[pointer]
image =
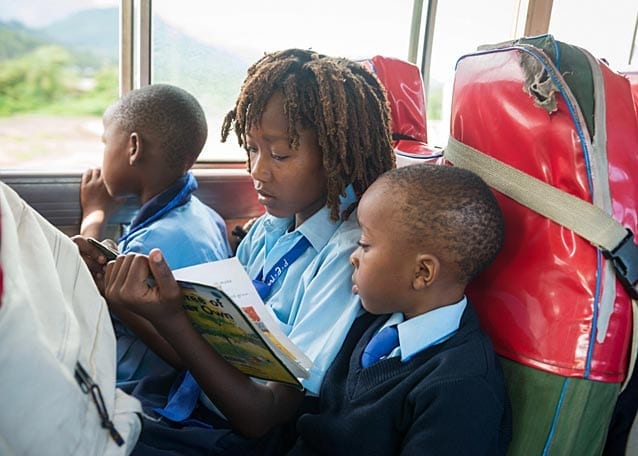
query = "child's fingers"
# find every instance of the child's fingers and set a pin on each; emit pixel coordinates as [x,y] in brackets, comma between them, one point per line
[91,255]
[90,175]
[88,250]
[115,277]
[162,275]
[86,176]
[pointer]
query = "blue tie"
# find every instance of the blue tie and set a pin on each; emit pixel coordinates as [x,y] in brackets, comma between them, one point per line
[380,345]
[182,401]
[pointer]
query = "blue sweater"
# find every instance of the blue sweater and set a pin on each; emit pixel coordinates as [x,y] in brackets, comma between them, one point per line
[449,399]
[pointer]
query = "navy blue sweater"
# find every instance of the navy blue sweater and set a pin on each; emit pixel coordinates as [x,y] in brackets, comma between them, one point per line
[449,399]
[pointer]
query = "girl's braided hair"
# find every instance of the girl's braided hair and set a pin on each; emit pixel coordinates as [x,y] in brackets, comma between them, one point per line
[340,99]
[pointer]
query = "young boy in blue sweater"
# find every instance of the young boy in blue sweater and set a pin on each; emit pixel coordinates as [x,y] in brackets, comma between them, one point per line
[152,137]
[437,388]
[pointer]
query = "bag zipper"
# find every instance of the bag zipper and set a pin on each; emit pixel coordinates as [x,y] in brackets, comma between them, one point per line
[87,385]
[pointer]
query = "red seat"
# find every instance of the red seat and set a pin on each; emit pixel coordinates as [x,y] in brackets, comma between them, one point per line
[404,87]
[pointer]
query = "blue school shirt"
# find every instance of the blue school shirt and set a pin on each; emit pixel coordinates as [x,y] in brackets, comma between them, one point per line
[313,298]
[190,233]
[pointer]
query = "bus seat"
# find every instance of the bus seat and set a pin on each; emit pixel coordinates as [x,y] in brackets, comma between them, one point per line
[406,96]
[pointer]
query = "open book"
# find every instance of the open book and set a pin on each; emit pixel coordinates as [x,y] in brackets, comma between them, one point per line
[226,309]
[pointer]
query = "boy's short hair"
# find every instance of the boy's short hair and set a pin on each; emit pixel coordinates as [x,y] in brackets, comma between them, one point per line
[453,210]
[169,115]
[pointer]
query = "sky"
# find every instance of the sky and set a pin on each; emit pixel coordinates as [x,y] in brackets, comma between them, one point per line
[39,13]
[365,28]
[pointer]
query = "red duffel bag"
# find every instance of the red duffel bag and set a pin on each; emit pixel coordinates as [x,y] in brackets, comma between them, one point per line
[558,297]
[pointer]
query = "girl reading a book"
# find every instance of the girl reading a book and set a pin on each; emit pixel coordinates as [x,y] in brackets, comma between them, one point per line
[317,133]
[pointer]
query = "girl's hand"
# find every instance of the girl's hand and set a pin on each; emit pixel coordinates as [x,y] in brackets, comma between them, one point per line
[94,259]
[128,288]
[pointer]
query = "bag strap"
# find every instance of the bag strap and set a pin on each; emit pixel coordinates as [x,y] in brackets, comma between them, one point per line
[583,218]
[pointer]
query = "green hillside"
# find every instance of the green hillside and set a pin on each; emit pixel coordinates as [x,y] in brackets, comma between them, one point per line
[40,73]
[70,66]
[17,40]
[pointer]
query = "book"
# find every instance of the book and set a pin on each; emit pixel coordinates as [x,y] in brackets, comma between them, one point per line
[226,309]
[224,306]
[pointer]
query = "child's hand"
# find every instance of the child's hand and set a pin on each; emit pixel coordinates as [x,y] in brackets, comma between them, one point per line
[94,259]
[96,202]
[127,287]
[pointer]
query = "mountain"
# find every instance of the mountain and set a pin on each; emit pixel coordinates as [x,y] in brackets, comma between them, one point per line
[91,36]
[213,74]
[17,40]
[96,32]
[91,31]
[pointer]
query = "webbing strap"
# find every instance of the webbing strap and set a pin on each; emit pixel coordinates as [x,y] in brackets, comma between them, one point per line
[583,218]
[578,215]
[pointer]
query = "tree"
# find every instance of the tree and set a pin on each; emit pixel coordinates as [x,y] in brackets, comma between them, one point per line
[34,79]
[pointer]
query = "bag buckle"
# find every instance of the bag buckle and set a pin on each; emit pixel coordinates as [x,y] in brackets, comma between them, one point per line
[625,260]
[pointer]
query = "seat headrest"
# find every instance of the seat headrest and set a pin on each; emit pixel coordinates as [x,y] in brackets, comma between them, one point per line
[404,87]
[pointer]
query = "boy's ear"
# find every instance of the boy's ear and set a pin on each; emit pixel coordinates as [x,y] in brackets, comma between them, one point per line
[135,148]
[427,271]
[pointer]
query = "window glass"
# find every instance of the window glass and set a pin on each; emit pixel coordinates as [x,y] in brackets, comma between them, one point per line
[582,22]
[58,60]
[461,26]
[206,48]
[58,72]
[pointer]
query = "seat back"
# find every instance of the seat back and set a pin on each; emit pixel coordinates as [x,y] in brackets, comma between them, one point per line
[406,96]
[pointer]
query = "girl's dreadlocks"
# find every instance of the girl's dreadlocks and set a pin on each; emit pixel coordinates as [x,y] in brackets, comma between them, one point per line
[340,99]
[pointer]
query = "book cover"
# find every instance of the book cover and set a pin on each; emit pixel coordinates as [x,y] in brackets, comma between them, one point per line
[226,309]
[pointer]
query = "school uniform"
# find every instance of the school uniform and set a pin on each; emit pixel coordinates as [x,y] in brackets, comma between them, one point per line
[313,299]
[313,302]
[187,232]
[447,398]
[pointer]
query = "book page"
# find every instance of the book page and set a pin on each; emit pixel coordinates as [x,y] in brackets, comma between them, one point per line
[230,332]
[230,276]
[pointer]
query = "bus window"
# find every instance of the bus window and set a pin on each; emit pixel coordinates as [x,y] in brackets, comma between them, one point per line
[207,49]
[617,18]
[58,72]
[460,26]
[59,66]
[59,60]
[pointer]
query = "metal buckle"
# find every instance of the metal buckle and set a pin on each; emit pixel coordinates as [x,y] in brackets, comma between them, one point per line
[625,260]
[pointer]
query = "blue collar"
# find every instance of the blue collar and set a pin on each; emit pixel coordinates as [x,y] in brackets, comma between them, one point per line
[318,229]
[315,232]
[426,330]
[177,194]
